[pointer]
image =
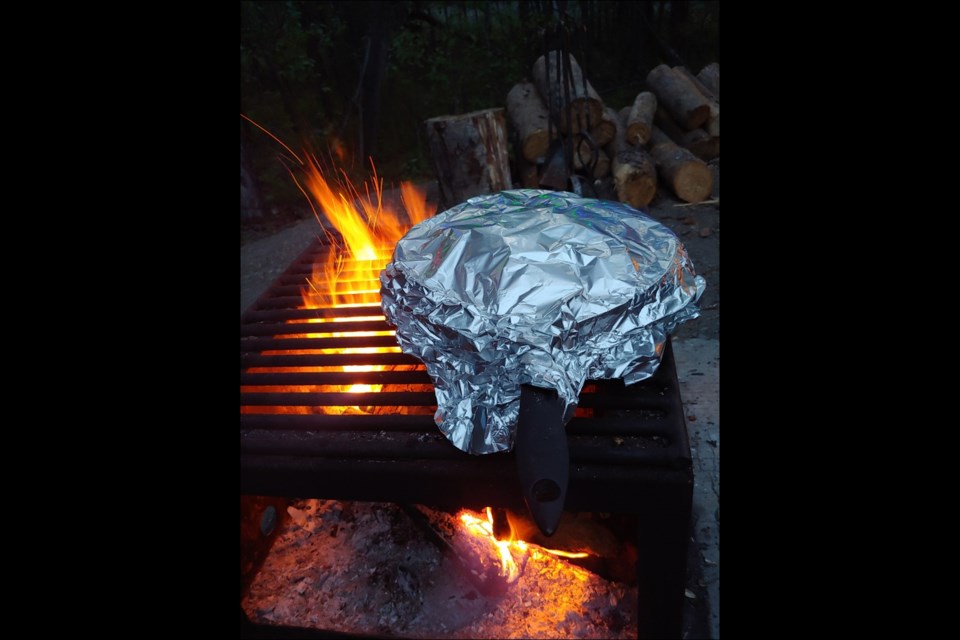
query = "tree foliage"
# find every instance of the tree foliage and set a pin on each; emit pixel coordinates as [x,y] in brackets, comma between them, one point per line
[305,65]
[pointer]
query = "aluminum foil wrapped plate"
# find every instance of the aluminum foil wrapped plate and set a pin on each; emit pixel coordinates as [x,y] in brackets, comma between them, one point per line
[533,287]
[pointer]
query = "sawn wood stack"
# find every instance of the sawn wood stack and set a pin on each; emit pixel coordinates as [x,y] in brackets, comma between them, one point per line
[669,131]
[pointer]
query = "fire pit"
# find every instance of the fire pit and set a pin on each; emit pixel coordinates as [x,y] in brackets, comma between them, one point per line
[330,409]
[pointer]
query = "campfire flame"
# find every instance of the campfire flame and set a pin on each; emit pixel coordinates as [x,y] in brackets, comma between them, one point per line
[369,231]
[351,275]
[362,230]
[508,549]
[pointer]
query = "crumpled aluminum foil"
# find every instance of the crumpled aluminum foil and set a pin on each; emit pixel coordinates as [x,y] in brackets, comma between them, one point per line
[533,287]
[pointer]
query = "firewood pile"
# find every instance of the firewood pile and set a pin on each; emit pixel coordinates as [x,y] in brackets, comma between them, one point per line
[669,132]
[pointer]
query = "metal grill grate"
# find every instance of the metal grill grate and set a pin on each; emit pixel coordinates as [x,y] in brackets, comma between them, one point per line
[628,445]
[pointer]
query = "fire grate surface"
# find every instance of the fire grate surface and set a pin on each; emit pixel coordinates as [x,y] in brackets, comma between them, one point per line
[629,451]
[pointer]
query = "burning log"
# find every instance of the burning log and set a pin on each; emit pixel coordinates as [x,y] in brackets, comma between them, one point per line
[470,536]
[469,154]
[585,104]
[529,117]
[634,173]
[698,141]
[710,77]
[713,121]
[679,96]
[686,175]
[640,119]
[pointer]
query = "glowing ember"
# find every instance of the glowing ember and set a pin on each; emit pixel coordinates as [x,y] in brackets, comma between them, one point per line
[368,569]
[483,528]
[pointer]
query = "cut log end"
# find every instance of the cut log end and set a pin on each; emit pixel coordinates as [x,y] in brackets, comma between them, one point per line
[635,177]
[634,189]
[535,146]
[586,105]
[693,182]
[585,115]
[604,132]
[697,117]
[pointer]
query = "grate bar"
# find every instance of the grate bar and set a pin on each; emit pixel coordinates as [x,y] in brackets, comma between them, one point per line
[249,360]
[273,329]
[336,377]
[381,399]
[248,345]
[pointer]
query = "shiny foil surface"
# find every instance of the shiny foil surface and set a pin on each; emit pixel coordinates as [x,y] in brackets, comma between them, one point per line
[533,287]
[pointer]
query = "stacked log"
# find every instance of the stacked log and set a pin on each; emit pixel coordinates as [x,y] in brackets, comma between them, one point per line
[710,77]
[713,120]
[640,119]
[591,159]
[529,117]
[685,104]
[585,105]
[668,130]
[603,133]
[634,173]
[698,141]
[687,176]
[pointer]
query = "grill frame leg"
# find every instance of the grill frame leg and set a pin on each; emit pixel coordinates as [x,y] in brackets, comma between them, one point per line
[663,532]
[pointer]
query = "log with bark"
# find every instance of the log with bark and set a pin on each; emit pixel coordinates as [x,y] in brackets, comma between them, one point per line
[710,77]
[698,141]
[713,120]
[634,173]
[586,106]
[686,175]
[469,154]
[679,97]
[640,119]
[529,117]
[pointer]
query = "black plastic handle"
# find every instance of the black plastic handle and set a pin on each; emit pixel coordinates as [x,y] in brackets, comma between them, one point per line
[543,460]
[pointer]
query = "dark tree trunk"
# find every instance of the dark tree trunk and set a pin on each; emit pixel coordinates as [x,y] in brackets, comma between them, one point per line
[373,78]
[251,204]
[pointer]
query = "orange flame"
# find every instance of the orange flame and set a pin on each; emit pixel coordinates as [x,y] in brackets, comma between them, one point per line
[362,231]
[483,528]
[369,231]
[351,275]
